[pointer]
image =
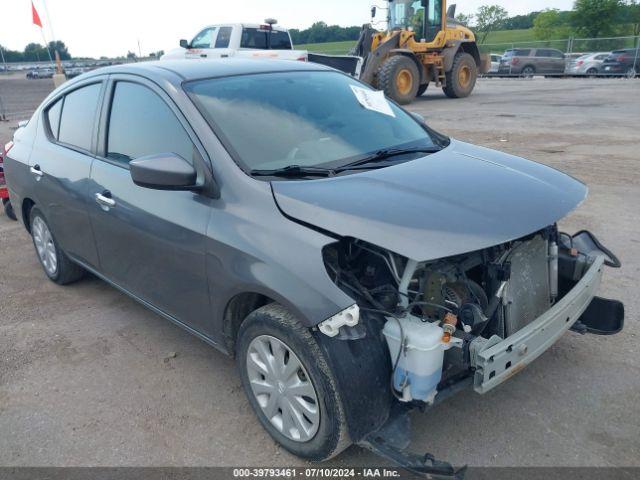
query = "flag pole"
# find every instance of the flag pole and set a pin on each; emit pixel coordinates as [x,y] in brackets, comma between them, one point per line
[46,45]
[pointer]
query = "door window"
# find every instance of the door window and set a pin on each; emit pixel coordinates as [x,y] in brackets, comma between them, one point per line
[203,39]
[78,115]
[141,123]
[224,35]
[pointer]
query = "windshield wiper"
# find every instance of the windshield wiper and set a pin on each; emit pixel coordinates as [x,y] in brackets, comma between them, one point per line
[293,171]
[384,155]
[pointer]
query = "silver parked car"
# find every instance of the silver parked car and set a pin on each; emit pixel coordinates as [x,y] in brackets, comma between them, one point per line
[587,64]
[355,262]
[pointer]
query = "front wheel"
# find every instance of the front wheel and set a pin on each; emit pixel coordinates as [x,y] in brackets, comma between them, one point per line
[58,267]
[290,385]
[399,78]
[461,79]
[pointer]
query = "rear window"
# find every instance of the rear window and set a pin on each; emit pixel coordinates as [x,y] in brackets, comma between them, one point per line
[78,115]
[520,52]
[265,39]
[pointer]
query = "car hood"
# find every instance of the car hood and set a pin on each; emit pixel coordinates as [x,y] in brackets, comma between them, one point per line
[461,199]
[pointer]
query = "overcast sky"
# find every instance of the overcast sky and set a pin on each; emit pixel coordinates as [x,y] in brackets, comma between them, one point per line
[112,27]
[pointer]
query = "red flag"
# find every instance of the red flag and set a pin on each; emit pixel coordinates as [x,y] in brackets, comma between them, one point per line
[36,17]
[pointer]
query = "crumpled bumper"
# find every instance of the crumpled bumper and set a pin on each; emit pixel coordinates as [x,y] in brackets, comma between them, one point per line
[498,360]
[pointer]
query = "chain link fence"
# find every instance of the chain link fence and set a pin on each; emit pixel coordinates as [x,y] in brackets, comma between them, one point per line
[611,56]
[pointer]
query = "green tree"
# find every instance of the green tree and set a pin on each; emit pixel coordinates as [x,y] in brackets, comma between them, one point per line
[632,14]
[61,48]
[489,18]
[550,24]
[595,18]
[464,19]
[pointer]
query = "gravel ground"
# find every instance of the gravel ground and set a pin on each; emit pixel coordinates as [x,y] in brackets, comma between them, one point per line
[87,376]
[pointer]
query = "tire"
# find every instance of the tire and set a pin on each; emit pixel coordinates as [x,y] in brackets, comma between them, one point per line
[529,71]
[421,89]
[274,326]
[8,209]
[55,263]
[462,77]
[399,78]
[592,72]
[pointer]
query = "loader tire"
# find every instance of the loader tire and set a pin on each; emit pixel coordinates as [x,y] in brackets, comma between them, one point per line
[399,79]
[462,77]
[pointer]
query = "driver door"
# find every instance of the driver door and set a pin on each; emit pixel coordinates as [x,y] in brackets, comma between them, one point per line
[150,242]
[433,23]
[202,44]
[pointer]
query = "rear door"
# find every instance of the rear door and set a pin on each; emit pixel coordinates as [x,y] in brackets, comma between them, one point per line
[150,242]
[60,166]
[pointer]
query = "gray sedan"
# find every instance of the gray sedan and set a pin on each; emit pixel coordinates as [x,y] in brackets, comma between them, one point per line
[354,261]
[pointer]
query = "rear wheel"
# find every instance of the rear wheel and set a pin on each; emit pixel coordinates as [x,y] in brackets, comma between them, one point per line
[8,209]
[289,384]
[58,267]
[592,72]
[528,71]
[399,78]
[462,77]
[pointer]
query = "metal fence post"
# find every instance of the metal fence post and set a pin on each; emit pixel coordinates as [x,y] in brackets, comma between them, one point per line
[636,41]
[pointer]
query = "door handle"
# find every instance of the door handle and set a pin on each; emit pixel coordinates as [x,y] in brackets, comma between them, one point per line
[104,199]
[203,55]
[36,171]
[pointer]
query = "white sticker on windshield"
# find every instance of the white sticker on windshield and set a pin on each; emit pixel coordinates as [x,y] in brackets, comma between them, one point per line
[373,100]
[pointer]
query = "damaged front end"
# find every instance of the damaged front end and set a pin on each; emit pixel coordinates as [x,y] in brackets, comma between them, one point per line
[423,330]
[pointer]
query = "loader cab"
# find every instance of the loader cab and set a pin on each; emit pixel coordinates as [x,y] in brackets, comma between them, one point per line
[424,17]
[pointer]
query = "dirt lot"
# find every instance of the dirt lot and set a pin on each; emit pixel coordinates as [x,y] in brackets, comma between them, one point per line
[87,378]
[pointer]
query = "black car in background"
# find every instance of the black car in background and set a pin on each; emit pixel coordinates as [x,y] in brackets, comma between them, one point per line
[622,62]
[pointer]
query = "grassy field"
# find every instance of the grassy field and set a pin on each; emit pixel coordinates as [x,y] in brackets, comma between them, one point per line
[501,37]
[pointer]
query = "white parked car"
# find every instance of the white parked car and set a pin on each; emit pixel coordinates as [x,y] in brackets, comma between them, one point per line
[239,40]
[588,64]
[495,63]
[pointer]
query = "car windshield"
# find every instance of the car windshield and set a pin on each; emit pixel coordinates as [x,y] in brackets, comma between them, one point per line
[307,119]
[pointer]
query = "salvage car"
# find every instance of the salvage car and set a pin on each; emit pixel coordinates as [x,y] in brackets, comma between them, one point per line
[354,261]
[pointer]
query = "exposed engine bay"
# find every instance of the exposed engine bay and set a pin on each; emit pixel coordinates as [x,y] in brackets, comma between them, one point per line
[436,315]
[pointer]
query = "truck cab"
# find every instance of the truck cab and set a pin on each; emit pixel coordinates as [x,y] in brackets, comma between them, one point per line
[238,40]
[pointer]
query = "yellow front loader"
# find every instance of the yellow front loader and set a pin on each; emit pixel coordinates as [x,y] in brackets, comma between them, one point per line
[423,44]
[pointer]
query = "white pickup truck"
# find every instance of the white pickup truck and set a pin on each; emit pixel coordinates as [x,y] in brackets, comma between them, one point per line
[239,40]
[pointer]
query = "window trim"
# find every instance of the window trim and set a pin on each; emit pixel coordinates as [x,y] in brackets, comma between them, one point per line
[62,96]
[202,162]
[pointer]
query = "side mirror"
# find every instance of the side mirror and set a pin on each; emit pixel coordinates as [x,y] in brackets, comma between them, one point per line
[418,118]
[374,9]
[164,171]
[184,43]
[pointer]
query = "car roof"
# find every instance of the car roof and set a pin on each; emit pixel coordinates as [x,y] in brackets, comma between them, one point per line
[191,69]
